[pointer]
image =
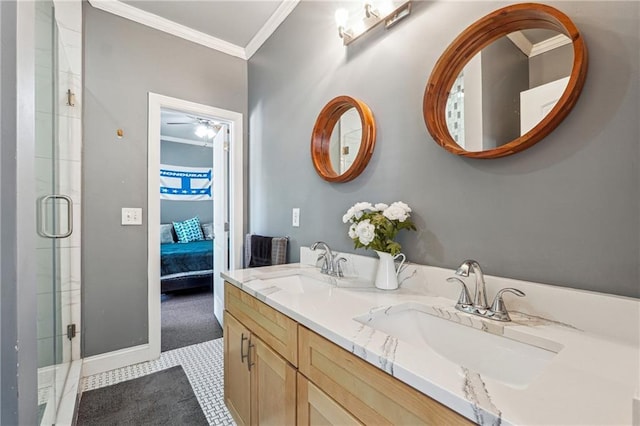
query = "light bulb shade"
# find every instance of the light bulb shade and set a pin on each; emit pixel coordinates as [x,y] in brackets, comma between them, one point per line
[211,133]
[341,16]
[201,131]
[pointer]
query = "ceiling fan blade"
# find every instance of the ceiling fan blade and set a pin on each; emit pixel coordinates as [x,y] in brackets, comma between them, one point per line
[193,124]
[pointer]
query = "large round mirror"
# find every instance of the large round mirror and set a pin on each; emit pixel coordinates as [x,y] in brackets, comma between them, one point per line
[506,82]
[343,139]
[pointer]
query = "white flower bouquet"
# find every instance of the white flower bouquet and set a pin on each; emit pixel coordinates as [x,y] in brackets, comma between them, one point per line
[376,226]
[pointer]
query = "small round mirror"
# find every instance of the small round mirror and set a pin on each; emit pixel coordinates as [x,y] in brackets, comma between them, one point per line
[343,139]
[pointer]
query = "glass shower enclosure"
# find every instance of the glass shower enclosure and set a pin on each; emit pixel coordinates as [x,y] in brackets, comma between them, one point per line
[54,218]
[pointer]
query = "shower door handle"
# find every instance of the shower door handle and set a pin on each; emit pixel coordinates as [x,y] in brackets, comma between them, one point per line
[42,226]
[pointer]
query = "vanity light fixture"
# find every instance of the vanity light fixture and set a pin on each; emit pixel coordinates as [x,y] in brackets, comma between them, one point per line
[373,16]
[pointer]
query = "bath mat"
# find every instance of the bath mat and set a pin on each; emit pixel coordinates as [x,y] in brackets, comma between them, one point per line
[162,398]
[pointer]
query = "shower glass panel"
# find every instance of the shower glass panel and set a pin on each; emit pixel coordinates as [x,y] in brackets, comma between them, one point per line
[54,219]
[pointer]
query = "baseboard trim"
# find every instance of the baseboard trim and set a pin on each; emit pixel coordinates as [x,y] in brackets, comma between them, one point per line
[116,359]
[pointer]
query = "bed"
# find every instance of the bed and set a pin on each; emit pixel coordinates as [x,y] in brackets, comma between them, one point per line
[186,265]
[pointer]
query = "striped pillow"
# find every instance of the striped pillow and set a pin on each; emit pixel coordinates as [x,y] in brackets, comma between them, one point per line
[188,230]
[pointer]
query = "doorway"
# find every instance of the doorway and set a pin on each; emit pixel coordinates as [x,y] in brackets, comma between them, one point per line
[186,198]
[227,190]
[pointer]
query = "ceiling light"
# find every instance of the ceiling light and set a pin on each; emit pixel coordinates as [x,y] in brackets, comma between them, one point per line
[372,18]
[201,131]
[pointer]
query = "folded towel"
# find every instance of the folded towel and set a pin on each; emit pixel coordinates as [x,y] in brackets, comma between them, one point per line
[279,250]
[260,251]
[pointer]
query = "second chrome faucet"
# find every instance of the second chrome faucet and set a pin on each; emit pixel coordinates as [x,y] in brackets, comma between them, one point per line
[331,264]
[479,305]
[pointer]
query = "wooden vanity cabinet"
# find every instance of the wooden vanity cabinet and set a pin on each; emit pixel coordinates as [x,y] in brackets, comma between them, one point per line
[259,383]
[262,348]
[370,395]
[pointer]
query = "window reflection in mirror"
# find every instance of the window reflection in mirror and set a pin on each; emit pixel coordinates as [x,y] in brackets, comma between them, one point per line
[345,140]
[508,88]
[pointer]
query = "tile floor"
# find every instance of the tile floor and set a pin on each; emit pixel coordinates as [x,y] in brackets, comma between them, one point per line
[203,364]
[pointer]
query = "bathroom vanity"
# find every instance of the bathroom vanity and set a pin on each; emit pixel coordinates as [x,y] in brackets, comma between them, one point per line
[305,348]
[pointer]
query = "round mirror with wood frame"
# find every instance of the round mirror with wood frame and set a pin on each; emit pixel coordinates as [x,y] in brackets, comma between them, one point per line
[321,139]
[485,31]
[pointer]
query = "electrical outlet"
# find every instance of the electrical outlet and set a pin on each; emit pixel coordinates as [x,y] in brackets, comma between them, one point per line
[131,216]
[295,217]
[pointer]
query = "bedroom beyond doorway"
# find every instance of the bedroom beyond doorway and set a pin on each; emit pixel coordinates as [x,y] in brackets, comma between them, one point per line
[216,186]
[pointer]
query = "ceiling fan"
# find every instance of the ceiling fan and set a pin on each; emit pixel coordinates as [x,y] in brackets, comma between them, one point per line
[204,126]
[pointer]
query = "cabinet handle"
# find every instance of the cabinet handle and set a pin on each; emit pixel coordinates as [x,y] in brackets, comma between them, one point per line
[242,355]
[249,363]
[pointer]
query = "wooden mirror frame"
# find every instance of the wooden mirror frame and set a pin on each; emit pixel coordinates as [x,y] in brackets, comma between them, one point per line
[471,41]
[321,138]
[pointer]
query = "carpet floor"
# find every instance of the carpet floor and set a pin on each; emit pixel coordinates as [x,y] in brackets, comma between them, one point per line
[187,319]
[161,398]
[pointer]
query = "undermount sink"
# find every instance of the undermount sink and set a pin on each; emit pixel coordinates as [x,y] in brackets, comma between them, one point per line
[509,361]
[298,283]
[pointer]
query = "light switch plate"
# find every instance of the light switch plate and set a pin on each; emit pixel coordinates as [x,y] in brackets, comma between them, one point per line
[295,217]
[131,216]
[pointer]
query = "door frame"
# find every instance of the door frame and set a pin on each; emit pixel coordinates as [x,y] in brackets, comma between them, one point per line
[236,202]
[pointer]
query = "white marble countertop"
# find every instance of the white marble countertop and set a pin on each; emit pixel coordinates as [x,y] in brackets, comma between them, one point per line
[592,380]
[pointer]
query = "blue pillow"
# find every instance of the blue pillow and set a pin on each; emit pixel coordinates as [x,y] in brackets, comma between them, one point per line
[188,230]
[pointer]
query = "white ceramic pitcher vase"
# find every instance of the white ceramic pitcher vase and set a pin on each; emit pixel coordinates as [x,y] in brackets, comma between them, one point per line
[387,275]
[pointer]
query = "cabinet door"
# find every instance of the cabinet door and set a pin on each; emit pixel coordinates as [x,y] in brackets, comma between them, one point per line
[316,408]
[273,387]
[237,378]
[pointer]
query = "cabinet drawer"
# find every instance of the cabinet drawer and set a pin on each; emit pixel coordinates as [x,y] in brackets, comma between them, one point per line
[370,394]
[272,327]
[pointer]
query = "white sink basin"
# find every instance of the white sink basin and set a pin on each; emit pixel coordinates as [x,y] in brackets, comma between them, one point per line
[298,284]
[306,282]
[509,361]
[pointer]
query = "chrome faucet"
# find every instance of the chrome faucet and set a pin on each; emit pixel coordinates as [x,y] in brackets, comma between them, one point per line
[479,306]
[331,263]
[480,295]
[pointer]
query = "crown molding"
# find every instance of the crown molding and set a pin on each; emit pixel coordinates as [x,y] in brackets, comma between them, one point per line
[162,24]
[530,49]
[550,44]
[280,14]
[521,42]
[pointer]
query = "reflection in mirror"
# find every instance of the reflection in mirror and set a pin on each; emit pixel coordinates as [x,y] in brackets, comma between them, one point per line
[506,89]
[345,140]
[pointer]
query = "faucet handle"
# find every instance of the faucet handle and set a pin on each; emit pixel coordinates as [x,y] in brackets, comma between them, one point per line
[325,263]
[498,308]
[464,298]
[339,262]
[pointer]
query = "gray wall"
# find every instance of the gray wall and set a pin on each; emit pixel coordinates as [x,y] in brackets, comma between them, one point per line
[550,66]
[505,73]
[180,154]
[8,284]
[564,212]
[123,61]
[18,349]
